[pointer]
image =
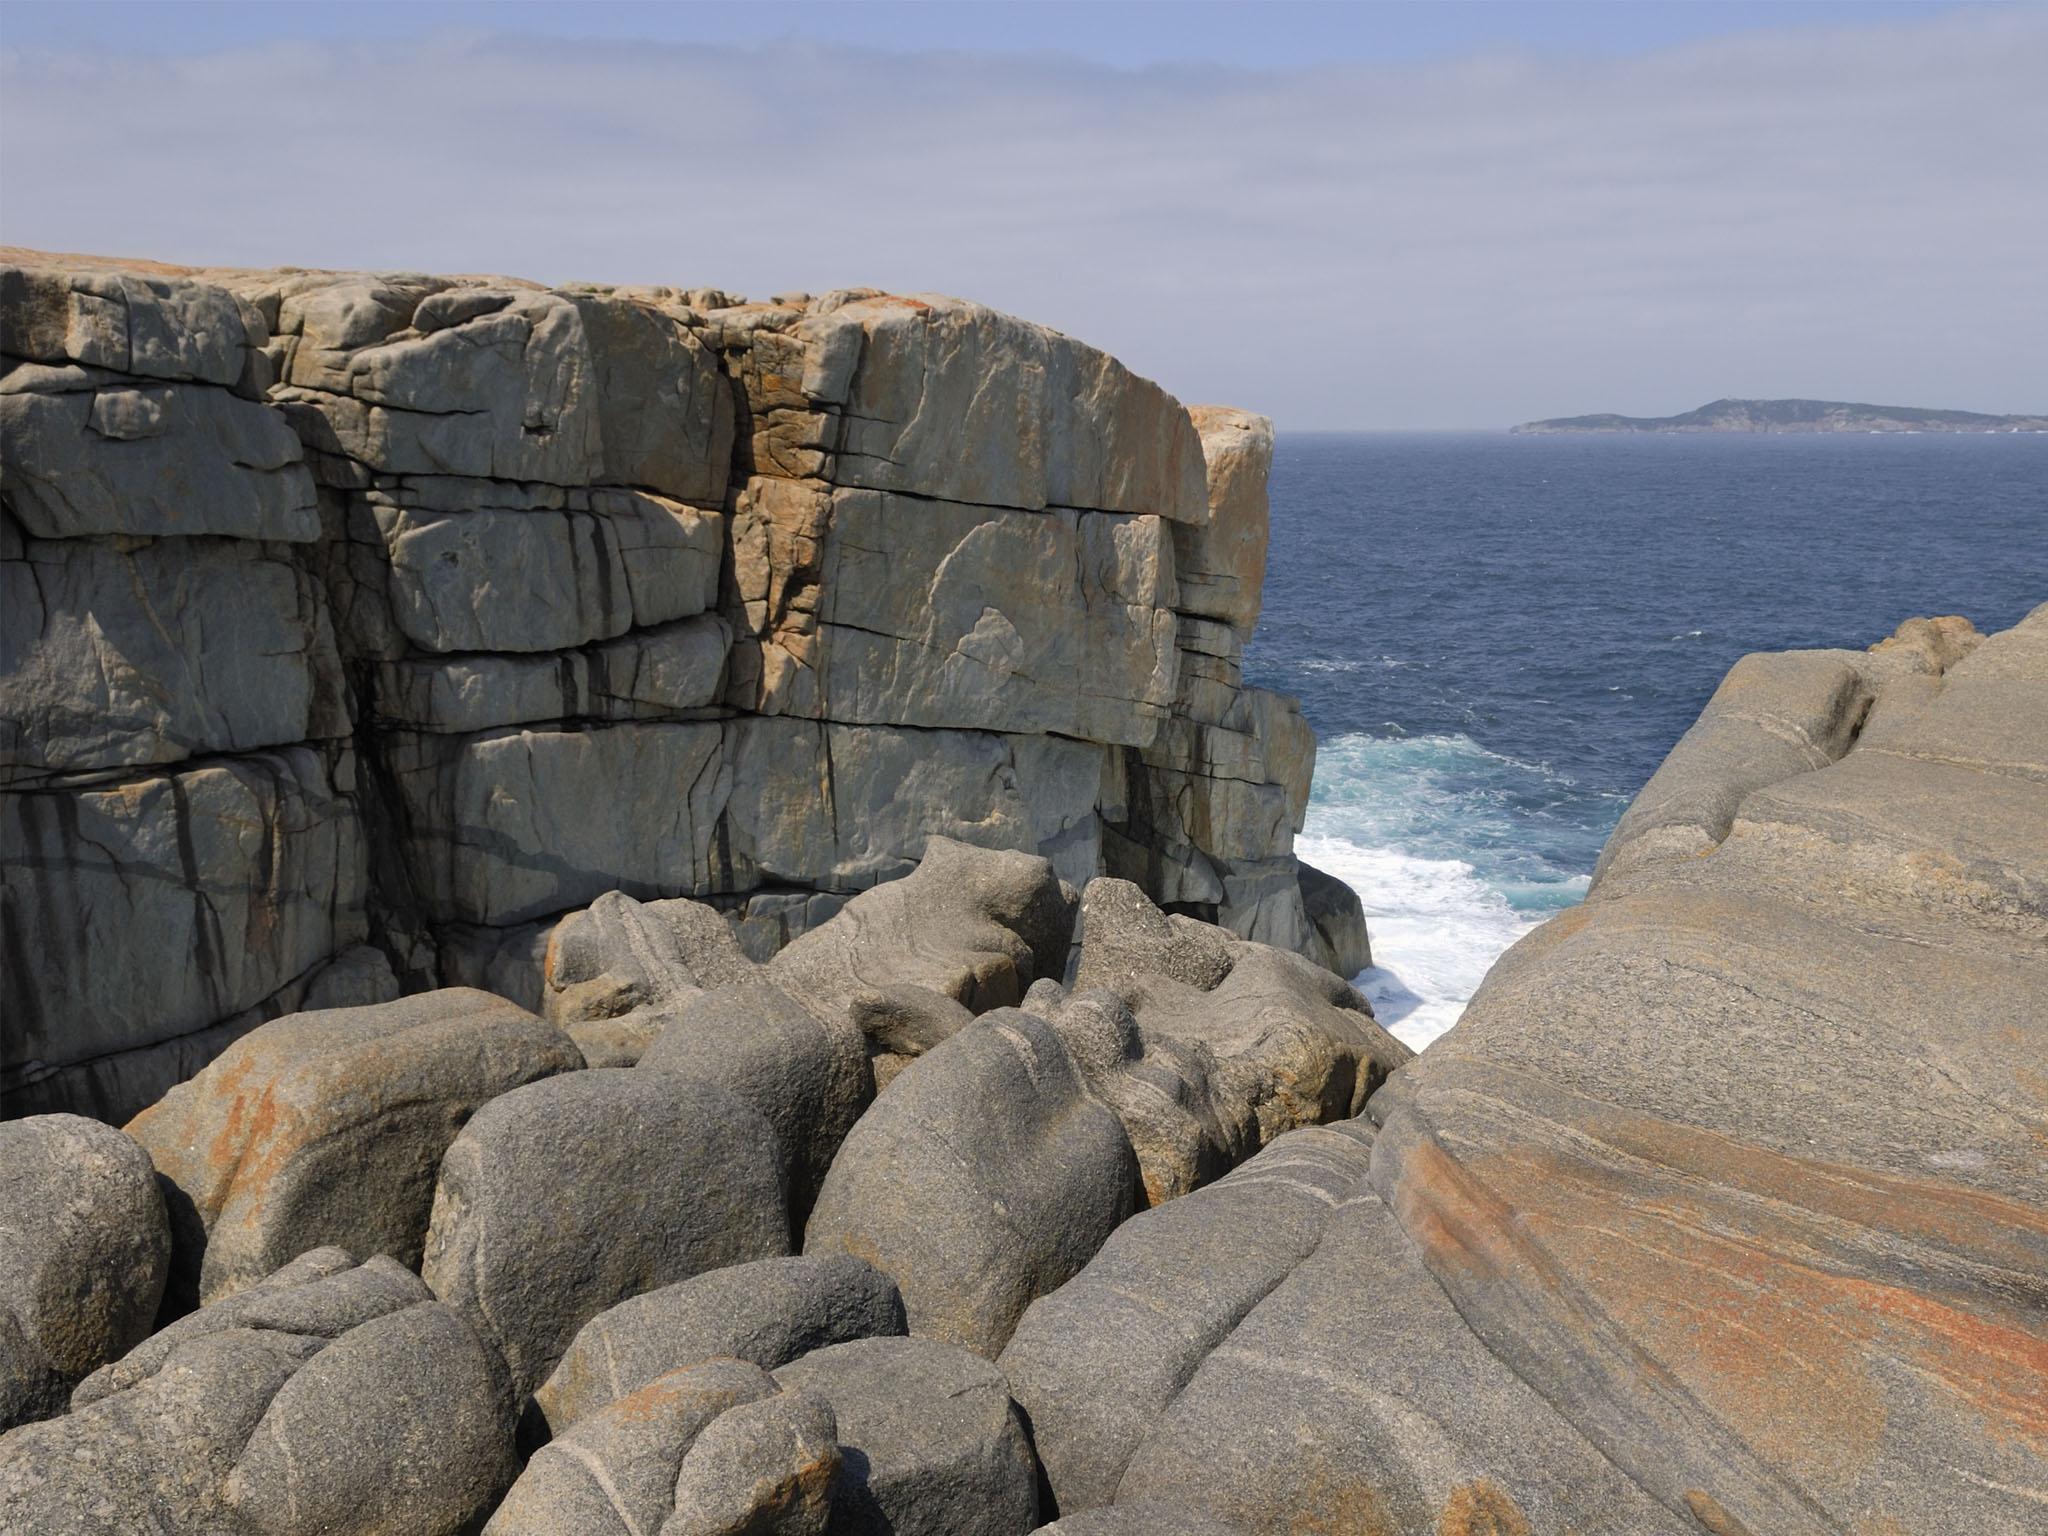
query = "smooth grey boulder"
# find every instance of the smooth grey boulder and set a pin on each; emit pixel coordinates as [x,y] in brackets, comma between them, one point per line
[329,1128]
[765,1468]
[84,1251]
[1176,1100]
[401,1425]
[931,1444]
[808,1076]
[321,1294]
[1095,1363]
[333,1398]
[768,1312]
[986,1175]
[615,1472]
[155,1458]
[564,1197]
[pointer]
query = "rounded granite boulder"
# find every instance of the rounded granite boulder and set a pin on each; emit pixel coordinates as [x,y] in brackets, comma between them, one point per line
[84,1249]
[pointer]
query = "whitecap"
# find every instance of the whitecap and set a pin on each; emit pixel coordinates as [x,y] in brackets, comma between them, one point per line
[1436,929]
[1434,833]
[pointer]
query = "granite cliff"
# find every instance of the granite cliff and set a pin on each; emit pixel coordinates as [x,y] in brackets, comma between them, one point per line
[356,627]
[984,1191]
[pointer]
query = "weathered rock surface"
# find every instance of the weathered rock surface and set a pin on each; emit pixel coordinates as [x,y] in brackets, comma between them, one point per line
[968,925]
[1332,910]
[84,1250]
[328,1128]
[564,1197]
[1720,1210]
[768,1466]
[809,1076]
[129,655]
[246,874]
[930,1442]
[1858,941]
[768,1312]
[614,1473]
[344,608]
[619,956]
[985,1176]
[1293,1044]
[1166,1519]
[1095,1363]
[330,1398]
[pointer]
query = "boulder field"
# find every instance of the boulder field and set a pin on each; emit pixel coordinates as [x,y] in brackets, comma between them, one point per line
[355,628]
[985,1179]
[1720,1212]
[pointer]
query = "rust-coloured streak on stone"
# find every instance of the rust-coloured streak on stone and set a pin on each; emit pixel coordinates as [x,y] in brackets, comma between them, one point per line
[1481,1508]
[1765,1326]
[1985,1225]
[1712,1517]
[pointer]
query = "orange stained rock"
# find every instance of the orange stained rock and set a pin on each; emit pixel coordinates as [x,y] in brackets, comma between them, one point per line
[1481,1508]
[1766,1317]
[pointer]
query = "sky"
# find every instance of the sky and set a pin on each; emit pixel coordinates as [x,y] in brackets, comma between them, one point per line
[1365,216]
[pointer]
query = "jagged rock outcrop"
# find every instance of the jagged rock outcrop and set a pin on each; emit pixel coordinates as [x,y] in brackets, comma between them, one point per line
[357,627]
[1722,1208]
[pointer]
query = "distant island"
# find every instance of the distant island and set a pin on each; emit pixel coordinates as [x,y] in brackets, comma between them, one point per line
[1794,416]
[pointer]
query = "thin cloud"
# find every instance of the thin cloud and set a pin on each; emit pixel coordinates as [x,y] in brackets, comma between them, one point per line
[1854,213]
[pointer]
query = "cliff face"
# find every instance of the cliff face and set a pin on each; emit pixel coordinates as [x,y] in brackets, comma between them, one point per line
[356,627]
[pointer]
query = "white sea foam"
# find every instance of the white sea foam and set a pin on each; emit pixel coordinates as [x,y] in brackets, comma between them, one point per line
[1436,928]
[1389,817]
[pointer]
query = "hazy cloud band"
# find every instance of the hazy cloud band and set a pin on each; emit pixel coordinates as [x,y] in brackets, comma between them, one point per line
[1856,213]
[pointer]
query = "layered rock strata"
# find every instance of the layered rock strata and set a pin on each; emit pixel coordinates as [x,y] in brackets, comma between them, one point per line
[356,627]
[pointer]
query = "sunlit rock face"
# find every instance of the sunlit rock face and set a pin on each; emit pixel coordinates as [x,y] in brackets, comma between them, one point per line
[355,627]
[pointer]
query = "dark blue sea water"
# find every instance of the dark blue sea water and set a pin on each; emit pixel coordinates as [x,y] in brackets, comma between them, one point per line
[1498,638]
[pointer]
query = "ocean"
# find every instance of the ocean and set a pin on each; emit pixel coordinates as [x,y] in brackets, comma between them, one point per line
[1498,638]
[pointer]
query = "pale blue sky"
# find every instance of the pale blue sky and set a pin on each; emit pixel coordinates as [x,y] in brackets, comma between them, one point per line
[1369,216]
[1287,34]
